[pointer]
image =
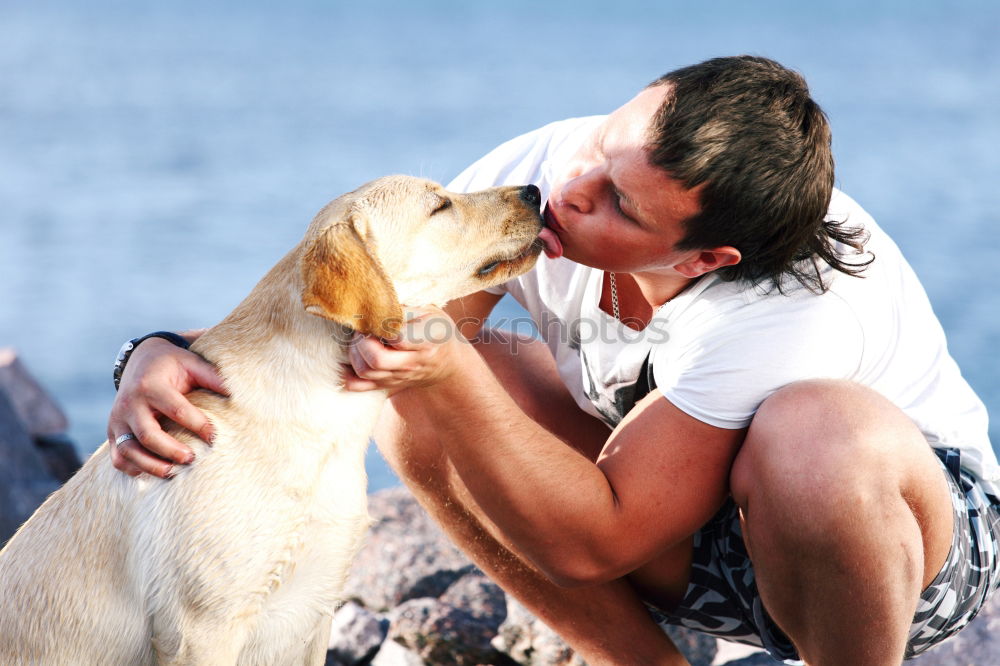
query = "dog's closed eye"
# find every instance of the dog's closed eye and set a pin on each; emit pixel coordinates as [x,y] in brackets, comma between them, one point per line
[488,268]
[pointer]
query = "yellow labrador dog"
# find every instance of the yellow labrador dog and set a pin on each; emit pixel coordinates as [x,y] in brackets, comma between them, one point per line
[240,558]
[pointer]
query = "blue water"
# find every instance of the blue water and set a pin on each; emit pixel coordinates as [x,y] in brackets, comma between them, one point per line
[157,158]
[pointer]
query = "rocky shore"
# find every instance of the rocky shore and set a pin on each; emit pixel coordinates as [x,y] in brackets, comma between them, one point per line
[415,599]
[412,598]
[36,457]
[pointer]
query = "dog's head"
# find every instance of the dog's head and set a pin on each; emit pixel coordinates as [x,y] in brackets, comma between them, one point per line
[403,240]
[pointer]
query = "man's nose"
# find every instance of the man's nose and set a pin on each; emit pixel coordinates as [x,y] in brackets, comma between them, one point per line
[578,190]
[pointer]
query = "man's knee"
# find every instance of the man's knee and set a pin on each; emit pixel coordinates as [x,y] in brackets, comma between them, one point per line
[823,458]
[820,440]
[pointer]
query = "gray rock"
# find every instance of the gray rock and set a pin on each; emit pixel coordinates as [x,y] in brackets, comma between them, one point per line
[531,642]
[60,456]
[446,610]
[477,595]
[32,431]
[394,654]
[406,556]
[977,644]
[25,480]
[34,407]
[444,635]
[355,635]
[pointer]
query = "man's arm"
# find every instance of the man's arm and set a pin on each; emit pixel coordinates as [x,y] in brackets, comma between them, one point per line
[471,311]
[159,375]
[661,475]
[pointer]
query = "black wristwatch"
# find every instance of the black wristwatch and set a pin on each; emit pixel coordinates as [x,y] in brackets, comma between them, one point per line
[129,347]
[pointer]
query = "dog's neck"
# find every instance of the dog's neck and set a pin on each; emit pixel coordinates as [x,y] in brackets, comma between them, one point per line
[276,358]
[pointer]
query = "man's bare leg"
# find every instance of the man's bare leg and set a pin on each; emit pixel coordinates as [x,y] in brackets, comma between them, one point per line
[606,624]
[847,517]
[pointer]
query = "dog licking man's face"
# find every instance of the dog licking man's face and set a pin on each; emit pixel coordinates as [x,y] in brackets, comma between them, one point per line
[404,240]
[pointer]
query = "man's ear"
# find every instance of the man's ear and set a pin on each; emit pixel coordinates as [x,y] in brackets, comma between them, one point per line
[706,261]
[345,283]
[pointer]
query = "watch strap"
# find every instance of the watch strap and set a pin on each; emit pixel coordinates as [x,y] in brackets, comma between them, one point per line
[126,351]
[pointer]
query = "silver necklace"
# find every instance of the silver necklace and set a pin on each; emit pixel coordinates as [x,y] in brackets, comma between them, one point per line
[614,296]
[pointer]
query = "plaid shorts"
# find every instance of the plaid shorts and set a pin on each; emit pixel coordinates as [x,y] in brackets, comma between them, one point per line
[722,599]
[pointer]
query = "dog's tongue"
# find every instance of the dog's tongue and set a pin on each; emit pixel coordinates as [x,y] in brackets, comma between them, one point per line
[553,246]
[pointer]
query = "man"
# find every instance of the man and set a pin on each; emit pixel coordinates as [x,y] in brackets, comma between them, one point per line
[742,416]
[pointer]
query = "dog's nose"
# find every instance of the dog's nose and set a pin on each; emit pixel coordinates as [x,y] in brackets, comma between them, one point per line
[531,195]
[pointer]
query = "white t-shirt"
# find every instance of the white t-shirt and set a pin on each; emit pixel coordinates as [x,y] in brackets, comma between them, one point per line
[718,349]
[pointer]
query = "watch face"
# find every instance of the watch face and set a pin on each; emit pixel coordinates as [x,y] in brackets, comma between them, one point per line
[126,348]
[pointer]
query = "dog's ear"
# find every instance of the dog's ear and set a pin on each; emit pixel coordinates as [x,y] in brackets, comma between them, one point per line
[345,283]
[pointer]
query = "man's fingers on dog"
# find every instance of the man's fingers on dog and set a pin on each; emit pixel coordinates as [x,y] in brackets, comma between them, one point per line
[372,380]
[138,460]
[152,439]
[206,375]
[370,353]
[131,469]
[355,383]
[121,463]
[425,327]
[176,407]
[352,382]
[118,459]
[407,342]
[357,361]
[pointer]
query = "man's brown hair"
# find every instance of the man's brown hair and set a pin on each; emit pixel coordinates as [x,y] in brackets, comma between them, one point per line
[746,130]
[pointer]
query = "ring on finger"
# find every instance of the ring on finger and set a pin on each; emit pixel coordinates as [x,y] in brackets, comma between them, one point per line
[121,439]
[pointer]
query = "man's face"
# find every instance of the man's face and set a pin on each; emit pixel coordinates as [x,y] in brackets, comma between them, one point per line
[611,208]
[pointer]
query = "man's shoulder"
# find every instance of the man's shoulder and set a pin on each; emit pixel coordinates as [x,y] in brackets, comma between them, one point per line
[521,159]
[556,132]
[847,211]
[844,209]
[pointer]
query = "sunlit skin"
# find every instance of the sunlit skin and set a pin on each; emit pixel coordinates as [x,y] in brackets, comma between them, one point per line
[573,520]
[662,473]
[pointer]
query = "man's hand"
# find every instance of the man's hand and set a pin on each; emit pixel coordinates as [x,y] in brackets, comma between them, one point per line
[156,379]
[427,351]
